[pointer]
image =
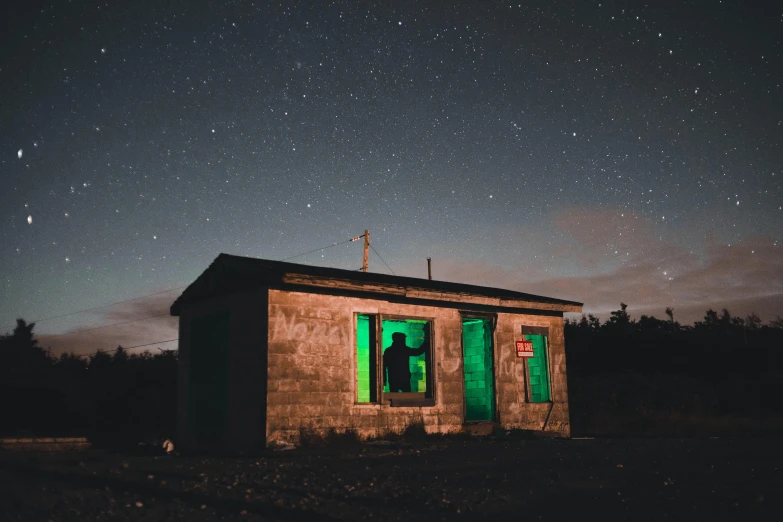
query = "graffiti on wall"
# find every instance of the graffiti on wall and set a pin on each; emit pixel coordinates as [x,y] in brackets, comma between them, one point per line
[452,364]
[558,426]
[506,368]
[292,327]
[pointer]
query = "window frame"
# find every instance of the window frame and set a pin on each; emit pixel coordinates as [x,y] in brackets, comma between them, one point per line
[355,358]
[544,331]
[395,399]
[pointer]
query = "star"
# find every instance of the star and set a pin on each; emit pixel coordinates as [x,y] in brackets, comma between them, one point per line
[397,131]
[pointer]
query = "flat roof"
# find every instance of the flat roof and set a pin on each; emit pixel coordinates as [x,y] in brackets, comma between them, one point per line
[228,274]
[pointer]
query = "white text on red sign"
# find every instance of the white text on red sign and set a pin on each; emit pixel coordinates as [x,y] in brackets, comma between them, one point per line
[524,348]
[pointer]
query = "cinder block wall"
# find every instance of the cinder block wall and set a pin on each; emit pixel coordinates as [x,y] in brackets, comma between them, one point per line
[514,408]
[247,368]
[312,373]
[312,368]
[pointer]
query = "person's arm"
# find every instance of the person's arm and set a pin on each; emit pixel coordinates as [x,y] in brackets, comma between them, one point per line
[424,345]
[413,352]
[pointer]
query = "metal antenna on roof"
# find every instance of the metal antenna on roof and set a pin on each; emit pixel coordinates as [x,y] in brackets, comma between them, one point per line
[429,268]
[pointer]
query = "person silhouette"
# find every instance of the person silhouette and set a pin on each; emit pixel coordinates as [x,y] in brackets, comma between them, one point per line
[396,362]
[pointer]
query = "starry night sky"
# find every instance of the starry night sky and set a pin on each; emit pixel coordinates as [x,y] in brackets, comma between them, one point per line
[594,151]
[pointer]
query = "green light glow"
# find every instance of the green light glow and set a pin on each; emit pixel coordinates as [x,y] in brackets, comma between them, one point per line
[363,358]
[538,369]
[414,333]
[479,386]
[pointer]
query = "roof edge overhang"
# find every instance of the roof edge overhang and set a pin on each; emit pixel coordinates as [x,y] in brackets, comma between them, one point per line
[427,294]
[229,274]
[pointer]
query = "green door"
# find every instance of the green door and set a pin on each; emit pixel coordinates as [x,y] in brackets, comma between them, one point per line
[477,364]
[207,412]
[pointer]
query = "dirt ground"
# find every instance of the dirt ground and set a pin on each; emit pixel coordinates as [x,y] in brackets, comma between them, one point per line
[499,478]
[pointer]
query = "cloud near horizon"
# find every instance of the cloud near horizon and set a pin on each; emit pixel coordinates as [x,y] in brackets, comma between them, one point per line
[146,321]
[622,258]
[600,258]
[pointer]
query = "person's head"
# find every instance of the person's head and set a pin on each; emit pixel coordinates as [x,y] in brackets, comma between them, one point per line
[398,338]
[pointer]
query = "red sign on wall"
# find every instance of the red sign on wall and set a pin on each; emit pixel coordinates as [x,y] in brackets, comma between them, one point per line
[524,348]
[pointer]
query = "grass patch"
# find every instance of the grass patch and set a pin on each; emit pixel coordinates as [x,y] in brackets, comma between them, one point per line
[414,432]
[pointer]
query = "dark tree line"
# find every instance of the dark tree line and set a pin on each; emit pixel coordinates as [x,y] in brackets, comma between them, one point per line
[723,365]
[113,398]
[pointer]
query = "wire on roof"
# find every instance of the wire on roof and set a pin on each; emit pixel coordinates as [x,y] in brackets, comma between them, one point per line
[170,290]
[319,249]
[384,262]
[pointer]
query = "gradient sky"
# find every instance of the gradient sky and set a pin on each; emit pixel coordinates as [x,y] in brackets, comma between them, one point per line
[594,151]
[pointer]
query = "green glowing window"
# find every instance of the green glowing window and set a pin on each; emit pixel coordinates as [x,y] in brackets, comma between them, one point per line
[401,360]
[406,353]
[366,356]
[538,367]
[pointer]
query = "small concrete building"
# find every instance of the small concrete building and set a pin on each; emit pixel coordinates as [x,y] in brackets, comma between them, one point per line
[270,350]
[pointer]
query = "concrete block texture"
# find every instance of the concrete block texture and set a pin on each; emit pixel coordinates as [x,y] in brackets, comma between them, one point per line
[294,367]
[312,369]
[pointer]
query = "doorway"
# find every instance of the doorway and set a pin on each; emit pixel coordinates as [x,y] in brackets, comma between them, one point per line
[478,369]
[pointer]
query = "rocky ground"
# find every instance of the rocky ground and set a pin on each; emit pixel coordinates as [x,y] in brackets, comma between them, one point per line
[499,478]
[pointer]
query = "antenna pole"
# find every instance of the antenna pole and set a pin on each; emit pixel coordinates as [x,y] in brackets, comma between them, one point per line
[429,268]
[366,250]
